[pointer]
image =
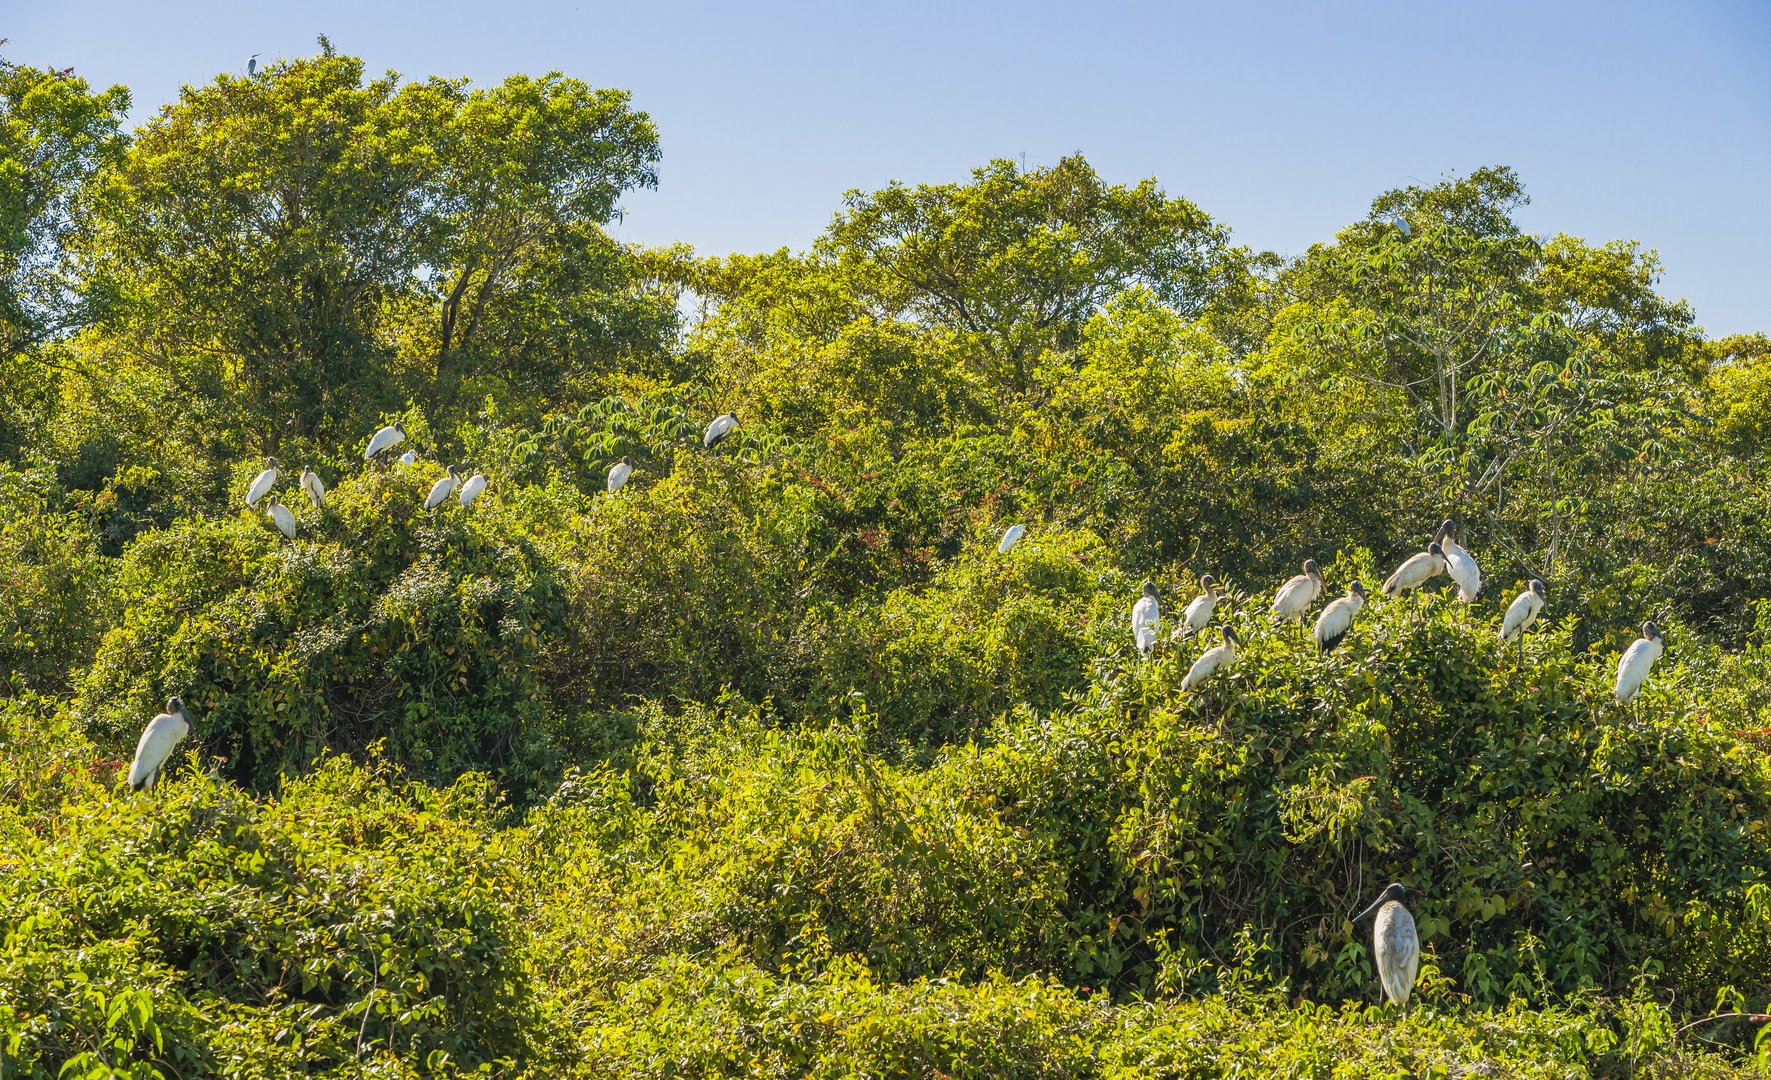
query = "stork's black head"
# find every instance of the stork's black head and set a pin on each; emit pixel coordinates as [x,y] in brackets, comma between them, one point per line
[1206,581]
[1231,636]
[270,462]
[1312,569]
[1356,589]
[625,460]
[1536,586]
[1150,589]
[1651,631]
[1434,549]
[175,704]
[1395,892]
[1446,528]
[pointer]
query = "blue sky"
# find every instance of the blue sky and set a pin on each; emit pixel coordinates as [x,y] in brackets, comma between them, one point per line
[1626,120]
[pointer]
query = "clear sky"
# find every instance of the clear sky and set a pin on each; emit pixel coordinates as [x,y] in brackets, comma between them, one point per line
[1627,120]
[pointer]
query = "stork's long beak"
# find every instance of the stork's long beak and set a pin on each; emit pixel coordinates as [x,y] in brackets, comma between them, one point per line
[1368,912]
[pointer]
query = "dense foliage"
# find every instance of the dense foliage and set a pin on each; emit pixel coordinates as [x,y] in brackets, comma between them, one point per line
[770,763]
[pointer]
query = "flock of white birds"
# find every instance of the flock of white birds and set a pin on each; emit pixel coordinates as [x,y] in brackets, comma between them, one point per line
[1396,943]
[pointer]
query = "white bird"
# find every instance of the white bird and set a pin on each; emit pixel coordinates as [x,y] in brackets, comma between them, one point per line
[1401,224]
[1522,612]
[1296,595]
[1637,660]
[157,740]
[316,490]
[1011,538]
[619,473]
[1198,613]
[1416,570]
[1214,661]
[1460,565]
[408,457]
[1395,943]
[721,427]
[1146,619]
[1337,618]
[262,483]
[252,64]
[473,489]
[280,514]
[440,490]
[385,439]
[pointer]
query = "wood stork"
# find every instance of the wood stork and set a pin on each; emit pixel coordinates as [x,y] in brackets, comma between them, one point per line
[315,489]
[1146,619]
[1010,539]
[439,491]
[1637,660]
[619,473]
[408,457]
[1394,942]
[1214,661]
[1521,613]
[1337,618]
[262,483]
[1460,565]
[1198,614]
[721,427]
[1295,596]
[157,740]
[385,439]
[473,489]
[1416,570]
[280,514]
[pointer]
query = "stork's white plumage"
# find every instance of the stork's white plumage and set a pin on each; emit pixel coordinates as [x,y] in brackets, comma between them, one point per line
[408,457]
[1146,619]
[1337,618]
[1010,539]
[721,427]
[473,489]
[1416,570]
[1214,661]
[619,473]
[440,491]
[385,439]
[157,740]
[1460,565]
[1395,943]
[280,514]
[262,483]
[1637,660]
[1522,612]
[1198,614]
[1295,596]
[316,491]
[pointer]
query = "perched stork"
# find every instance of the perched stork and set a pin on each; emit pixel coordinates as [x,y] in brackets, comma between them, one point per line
[385,439]
[280,514]
[252,64]
[721,427]
[619,473]
[1337,618]
[1198,614]
[1146,619]
[1416,570]
[408,457]
[262,483]
[1521,613]
[315,489]
[473,489]
[1460,565]
[1394,942]
[1637,660]
[1010,538]
[1214,661]
[440,491]
[1295,596]
[157,740]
